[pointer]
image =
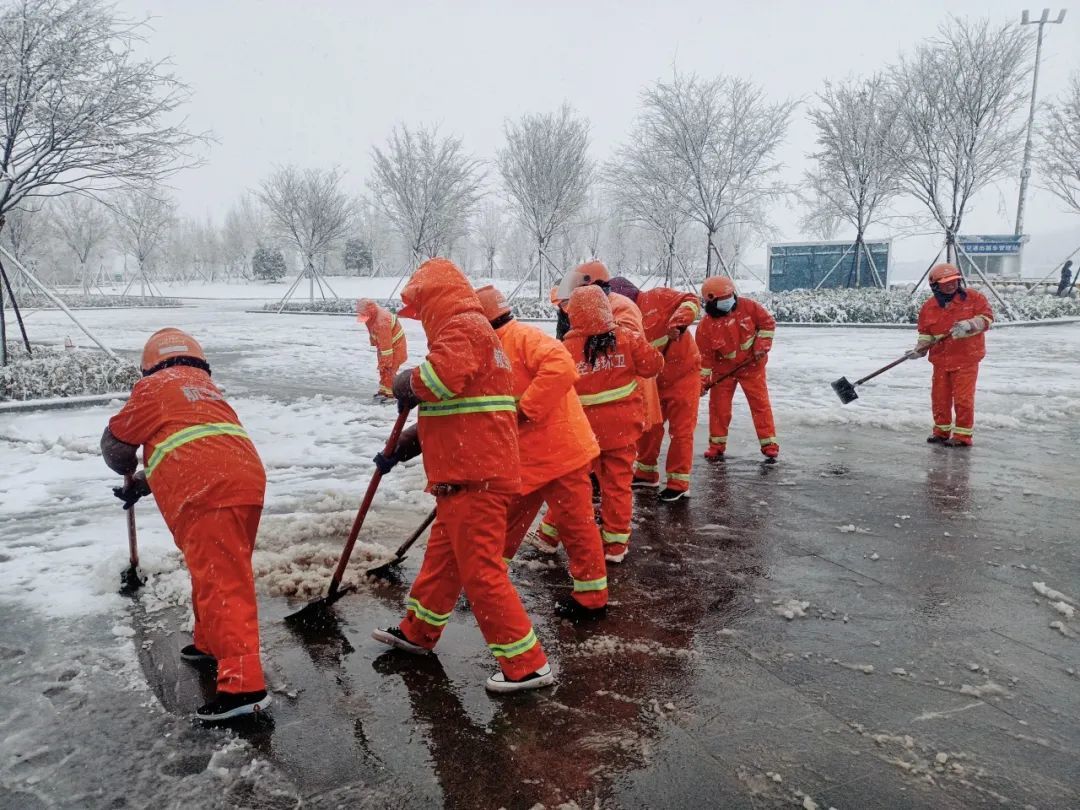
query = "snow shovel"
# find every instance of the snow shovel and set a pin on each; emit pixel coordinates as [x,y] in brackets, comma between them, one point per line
[384,571]
[132,578]
[742,365]
[846,390]
[315,612]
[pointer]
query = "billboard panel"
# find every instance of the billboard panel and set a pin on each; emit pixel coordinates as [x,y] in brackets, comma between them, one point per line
[808,265]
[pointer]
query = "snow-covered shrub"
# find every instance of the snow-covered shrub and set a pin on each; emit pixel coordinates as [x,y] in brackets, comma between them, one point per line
[33,300]
[53,372]
[268,264]
[329,305]
[893,306]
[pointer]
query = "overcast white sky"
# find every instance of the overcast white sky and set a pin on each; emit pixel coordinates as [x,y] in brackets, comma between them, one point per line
[317,83]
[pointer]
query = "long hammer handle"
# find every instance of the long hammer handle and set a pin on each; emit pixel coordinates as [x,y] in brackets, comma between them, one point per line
[133,541]
[369,496]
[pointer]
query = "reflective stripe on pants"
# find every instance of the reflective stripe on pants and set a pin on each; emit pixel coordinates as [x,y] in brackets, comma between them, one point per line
[951,391]
[615,469]
[679,406]
[570,512]
[756,389]
[465,550]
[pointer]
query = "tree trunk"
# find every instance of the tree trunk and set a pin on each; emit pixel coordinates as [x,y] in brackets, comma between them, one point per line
[708,254]
[3,330]
[5,281]
[540,271]
[858,260]
[951,255]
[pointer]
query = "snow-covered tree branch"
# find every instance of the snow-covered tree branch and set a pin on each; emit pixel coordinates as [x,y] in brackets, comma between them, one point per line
[956,129]
[1059,150]
[724,134]
[546,173]
[427,186]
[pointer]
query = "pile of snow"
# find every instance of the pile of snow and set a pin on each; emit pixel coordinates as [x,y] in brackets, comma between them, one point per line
[62,373]
[344,306]
[33,300]
[891,306]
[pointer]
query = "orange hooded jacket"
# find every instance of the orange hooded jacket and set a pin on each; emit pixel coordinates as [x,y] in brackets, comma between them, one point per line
[468,419]
[628,316]
[729,341]
[936,321]
[664,309]
[386,335]
[610,391]
[554,435]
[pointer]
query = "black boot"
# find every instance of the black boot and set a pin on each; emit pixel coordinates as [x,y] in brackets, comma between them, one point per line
[230,705]
[571,609]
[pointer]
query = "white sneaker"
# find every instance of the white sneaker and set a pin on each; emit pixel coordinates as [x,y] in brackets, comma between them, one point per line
[536,680]
[616,558]
[393,637]
[540,544]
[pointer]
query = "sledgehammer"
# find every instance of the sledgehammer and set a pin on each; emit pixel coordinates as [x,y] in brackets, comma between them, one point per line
[846,390]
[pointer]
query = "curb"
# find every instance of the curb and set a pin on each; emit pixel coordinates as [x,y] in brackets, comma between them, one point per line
[59,403]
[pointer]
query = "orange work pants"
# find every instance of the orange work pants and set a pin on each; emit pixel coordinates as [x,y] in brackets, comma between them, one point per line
[954,389]
[217,547]
[569,500]
[615,469]
[387,372]
[465,550]
[756,390]
[679,406]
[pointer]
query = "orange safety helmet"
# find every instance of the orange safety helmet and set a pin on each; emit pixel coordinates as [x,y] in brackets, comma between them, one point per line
[493,301]
[590,311]
[717,288]
[170,344]
[588,273]
[366,309]
[943,273]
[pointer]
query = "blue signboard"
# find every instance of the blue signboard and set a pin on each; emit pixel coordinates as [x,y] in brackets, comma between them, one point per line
[991,245]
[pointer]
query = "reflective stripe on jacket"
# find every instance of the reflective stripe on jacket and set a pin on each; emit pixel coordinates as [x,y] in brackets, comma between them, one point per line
[728,341]
[663,309]
[936,321]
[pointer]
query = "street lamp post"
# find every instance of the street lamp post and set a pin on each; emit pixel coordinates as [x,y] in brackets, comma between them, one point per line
[1025,172]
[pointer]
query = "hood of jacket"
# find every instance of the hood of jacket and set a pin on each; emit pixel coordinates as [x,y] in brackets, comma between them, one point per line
[590,312]
[437,292]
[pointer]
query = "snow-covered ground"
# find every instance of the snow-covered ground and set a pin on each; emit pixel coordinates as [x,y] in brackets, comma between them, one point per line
[302,386]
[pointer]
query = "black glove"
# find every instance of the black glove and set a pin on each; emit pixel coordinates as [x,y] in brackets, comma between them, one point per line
[130,493]
[403,390]
[385,464]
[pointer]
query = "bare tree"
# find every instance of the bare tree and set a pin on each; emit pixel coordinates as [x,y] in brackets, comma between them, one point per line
[244,231]
[956,129]
[490,230]
[83,226]
[24,232]
[1059,150]
[856,173]
[546,172]
[143,221]
[650,188]
[80,111]
[427,186]
[308,208]
[724,134]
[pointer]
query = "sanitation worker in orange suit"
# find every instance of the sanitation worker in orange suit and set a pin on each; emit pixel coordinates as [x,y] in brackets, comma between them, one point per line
[962,316]
[467,429]
[557,452]
[388,338]
[667,315]
[208,482]
[734,338]
[611,360]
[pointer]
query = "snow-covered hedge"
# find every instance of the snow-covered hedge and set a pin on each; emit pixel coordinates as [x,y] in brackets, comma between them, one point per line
[62,373]
[345,306]
[29,300]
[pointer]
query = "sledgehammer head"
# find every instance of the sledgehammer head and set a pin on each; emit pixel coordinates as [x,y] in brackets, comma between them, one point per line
[845,390]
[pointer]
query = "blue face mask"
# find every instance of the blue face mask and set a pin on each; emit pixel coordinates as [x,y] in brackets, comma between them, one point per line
[725,304]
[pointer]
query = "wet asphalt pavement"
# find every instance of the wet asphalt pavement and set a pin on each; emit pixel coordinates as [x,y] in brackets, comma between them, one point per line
[924,672]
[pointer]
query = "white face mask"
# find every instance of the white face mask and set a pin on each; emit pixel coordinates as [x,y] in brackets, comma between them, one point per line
[725,304]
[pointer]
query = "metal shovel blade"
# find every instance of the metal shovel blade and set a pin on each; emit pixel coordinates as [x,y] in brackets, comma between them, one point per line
[317,612]
[845,390]
[131,580]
